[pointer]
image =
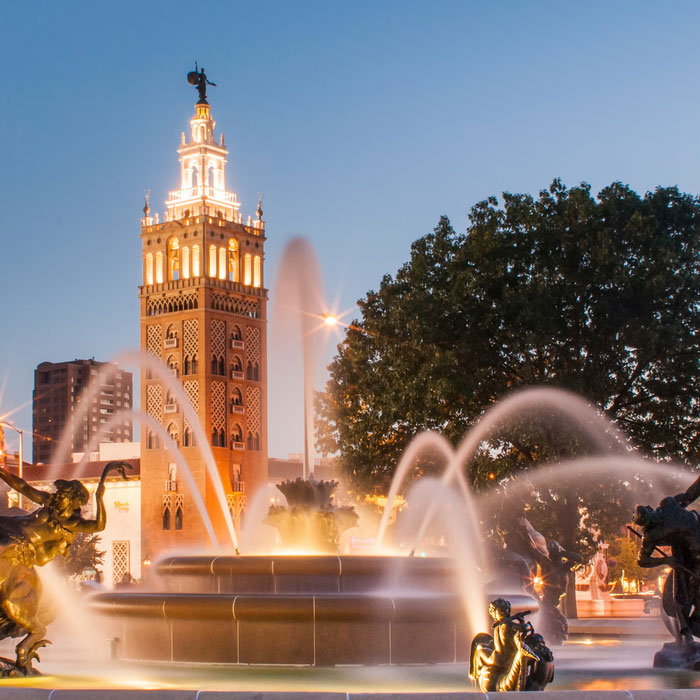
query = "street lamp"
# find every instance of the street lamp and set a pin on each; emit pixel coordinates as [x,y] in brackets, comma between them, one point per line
[3,453]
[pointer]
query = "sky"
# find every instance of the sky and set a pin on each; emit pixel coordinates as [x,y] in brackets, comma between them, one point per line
[360,123]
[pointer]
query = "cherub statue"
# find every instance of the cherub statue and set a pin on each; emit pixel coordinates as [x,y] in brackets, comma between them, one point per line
[34,539]
[515,658]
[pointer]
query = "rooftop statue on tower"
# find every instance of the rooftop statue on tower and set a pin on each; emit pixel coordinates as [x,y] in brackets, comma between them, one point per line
[199,80]
[35,539]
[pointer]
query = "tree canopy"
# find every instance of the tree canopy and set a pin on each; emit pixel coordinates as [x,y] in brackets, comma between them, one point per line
[596,294]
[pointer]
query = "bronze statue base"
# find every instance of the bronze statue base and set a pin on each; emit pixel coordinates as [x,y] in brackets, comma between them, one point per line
[678,655]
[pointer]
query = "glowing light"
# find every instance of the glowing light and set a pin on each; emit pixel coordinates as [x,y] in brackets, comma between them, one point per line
[330,319]
[492,476]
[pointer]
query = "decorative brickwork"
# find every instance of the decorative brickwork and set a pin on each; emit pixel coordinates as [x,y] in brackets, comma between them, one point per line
[154,339]
[154,401]
[218,337]
[252,337]
[169,305]
[120,561]
[218,405]
[190,337]
[191,387]
[236,305]
[253,409]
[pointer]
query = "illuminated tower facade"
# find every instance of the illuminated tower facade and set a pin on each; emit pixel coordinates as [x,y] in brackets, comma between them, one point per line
[203,312]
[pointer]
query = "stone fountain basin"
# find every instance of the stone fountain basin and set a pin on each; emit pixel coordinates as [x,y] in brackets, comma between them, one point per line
[312,611]
[304,574]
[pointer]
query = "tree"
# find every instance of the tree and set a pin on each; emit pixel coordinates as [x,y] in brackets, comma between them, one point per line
[83,554]
[598,295]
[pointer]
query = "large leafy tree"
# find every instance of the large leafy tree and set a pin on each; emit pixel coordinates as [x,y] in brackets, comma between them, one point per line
[598,295]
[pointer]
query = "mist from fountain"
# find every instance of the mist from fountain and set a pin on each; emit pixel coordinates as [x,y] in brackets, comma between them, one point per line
[298,285]
[600,432]
[172,447]
[162,372]
[456,518]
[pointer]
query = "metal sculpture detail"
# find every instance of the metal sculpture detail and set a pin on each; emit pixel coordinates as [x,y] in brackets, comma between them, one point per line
[674,527]
[35,539]
[526,549]
[198,78]
[514,658]
[311,520]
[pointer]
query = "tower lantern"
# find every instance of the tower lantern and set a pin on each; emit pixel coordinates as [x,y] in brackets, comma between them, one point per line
[203,312]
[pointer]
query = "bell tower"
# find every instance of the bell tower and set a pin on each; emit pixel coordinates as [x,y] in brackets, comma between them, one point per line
[203,312]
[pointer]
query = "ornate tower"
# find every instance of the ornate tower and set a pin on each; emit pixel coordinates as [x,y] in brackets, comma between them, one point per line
[203,312]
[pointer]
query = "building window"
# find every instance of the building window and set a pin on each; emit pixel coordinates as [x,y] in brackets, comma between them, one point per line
[120,562]
[233,260]
[167,505]
[174,259]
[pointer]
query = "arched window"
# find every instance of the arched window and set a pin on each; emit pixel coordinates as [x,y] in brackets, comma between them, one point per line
[233,273]
[236,434]
[257,271]
[212,261]
[171,331]
[149,268]
[152,441]
[178,516]
[236,398]
[166,516]
[222,263]
[236,365]
[174,259]
[215,438]
[236,333]
[247,271]
[187,365]
[256,372]
[249,370]
[196,271]
[172,473]
[172,431]
[194,364]
[159,268]
[172,365]
[188,437]
[249,441]
[222,438]
[186,263]
[221,366]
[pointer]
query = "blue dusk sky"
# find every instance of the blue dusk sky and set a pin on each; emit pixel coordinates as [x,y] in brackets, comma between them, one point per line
[359,122]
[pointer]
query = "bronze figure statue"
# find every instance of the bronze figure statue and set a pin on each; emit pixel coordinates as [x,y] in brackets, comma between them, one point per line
[199,79]
[524,550]
[34,539]
[514,658]
[672,526]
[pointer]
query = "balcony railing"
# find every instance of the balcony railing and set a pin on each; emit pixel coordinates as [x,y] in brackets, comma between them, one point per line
[236,374]
[171,485]
[238,486]
[170,408]
[170,343]
[236,445]
[201,191]
[237,344]
[237,408]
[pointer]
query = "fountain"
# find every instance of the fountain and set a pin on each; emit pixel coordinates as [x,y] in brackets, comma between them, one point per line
[310,520]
